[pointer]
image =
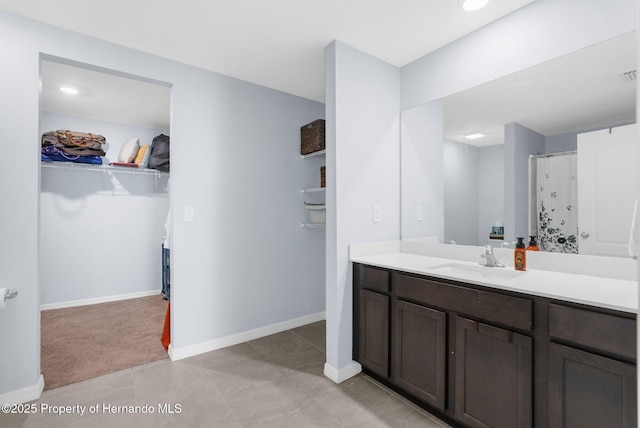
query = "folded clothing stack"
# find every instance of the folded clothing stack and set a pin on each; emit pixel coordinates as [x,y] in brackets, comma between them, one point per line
[70,146]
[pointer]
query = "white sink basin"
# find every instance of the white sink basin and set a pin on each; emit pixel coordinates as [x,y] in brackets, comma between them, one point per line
[479,271]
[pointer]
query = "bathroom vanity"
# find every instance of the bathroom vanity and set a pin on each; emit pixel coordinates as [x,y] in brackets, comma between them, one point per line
[486,347]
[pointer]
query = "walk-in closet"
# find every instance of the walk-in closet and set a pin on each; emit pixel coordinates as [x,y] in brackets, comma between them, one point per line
[102,226]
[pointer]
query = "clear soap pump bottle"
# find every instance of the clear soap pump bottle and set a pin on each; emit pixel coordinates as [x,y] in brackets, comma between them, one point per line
[520,256]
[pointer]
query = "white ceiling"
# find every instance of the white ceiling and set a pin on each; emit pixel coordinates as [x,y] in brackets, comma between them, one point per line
[280,44]
[581,91]
[276,43]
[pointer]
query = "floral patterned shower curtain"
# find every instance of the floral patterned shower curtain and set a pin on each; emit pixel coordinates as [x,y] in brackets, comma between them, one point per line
[557,203]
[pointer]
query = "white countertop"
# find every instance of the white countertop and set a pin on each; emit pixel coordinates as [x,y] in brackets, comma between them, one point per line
[604,292]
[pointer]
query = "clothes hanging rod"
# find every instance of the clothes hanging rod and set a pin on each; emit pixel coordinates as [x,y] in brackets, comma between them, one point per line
[550,155]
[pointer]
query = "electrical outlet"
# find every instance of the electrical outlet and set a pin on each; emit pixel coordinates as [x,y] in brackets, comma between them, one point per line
[377,213]
[189,214]
[419,215]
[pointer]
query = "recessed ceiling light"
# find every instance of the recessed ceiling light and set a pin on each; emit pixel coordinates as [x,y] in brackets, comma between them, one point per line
[471,5]
[473,136]
[69,90]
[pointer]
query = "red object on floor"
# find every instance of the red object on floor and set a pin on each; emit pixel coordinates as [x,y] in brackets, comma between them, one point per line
[166,331]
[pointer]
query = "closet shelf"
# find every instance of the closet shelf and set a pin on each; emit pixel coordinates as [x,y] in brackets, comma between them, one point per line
[316,189]
[102,168]
[313,225]
[319,152]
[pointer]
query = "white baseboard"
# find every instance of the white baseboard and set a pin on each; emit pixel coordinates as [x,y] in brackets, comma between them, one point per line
[23,395]
[339,376]
[105,299]
[223,342]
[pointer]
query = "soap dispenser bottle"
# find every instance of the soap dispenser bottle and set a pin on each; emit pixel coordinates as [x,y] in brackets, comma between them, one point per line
[520,256]
[533,245]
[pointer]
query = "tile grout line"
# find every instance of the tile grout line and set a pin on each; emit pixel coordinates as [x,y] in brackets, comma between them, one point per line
[309,342]
[406,401]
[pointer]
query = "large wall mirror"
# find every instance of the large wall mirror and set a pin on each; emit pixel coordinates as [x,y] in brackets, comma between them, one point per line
[531,122]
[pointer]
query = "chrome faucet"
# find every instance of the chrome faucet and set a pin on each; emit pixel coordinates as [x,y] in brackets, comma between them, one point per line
[488,259]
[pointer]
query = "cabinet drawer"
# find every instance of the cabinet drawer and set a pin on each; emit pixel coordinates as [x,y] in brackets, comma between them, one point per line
[506,310]
[374,278]
[604,332]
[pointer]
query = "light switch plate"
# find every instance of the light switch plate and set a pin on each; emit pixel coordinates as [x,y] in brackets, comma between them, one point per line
[189,214]
[419,214]
[377,213]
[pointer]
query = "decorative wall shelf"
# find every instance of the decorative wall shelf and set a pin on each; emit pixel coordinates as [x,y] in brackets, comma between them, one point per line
[318,153]
[314,190]
[319,192]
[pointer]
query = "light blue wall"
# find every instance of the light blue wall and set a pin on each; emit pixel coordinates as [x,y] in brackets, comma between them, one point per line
[474,192]
[461,192]
[519,143]
[491,184]
[234,157]
[561,143]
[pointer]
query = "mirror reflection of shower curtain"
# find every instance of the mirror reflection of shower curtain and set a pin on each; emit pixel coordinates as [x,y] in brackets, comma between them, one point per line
[554,202]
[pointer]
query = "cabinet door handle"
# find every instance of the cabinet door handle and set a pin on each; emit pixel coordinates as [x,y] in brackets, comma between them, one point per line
[585,235]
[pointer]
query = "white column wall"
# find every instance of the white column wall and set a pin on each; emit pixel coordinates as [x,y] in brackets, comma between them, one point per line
[363,170]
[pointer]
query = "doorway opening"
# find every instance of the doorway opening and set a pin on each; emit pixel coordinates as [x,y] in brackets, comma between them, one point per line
[101,226]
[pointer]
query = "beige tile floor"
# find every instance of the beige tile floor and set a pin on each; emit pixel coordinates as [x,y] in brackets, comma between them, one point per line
[275,381]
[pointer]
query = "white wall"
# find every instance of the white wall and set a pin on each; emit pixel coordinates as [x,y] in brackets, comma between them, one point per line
[363,170]
[99,232]
[461,192]
[234,157]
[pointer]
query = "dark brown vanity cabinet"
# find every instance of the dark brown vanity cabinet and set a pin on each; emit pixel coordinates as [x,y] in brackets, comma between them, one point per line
[493,376]
[592,372]
[474,355]
[374,332]
[372,302]
[419,351]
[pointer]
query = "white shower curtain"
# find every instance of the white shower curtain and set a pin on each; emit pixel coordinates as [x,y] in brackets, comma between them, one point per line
[557,203]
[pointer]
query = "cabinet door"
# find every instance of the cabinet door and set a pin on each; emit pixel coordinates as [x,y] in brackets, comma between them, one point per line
[374,332]
[587,390]
[493,376]
[419,351]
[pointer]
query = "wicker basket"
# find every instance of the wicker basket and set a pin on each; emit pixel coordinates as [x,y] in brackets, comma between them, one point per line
[312,137]
[323,176]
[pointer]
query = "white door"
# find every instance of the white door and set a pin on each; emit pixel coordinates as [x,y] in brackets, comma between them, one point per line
[607,189]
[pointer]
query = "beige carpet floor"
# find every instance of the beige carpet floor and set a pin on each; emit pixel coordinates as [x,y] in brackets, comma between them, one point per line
[88,341]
